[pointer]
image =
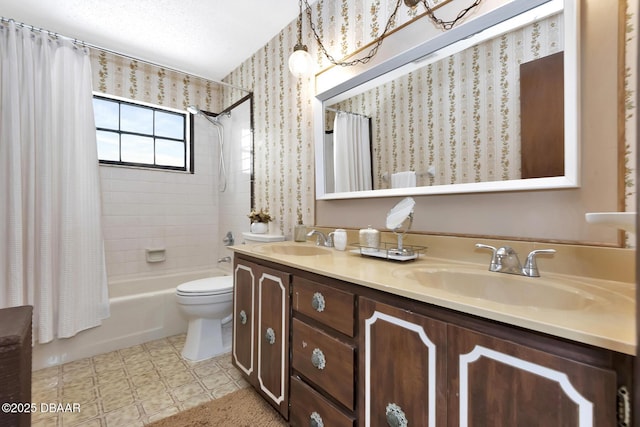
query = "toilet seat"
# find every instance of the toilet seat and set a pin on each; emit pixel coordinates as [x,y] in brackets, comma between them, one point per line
[206,287]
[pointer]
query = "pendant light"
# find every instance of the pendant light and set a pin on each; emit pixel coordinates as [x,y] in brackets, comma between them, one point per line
[300,61]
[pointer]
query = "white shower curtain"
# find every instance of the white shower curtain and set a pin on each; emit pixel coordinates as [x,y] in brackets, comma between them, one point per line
[352,152]
[51,245]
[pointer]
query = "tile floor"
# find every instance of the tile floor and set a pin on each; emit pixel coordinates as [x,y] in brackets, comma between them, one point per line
[131,387]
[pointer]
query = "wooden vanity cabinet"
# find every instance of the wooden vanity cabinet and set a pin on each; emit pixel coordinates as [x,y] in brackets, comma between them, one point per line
[355,356]
[415,369]
[261,305]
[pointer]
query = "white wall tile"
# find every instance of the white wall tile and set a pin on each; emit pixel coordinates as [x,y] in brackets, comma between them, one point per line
[181,212]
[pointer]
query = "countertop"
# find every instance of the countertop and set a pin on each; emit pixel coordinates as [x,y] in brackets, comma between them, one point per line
[607,321]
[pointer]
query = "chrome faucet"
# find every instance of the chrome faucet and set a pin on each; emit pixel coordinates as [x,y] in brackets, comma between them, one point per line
[224,259]
[505,260]
[322,240]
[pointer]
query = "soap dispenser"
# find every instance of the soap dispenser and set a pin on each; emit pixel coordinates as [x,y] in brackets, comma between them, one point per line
[300,230]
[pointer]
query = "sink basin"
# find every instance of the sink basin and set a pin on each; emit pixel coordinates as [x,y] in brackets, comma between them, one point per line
[501,288]
[294,250]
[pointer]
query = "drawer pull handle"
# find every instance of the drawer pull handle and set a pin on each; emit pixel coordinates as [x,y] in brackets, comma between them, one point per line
[243,317]
[395,416]
[317,358]
[270,336]
[316,420]
[317,302]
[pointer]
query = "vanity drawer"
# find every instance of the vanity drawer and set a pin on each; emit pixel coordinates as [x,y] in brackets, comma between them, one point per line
[307,405]
[325,361]
[333,307]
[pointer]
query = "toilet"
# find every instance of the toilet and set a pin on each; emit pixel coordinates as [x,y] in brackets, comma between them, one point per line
[207,305]
[253,238]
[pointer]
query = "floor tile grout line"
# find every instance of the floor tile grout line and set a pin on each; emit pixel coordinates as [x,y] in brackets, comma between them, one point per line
[170,345]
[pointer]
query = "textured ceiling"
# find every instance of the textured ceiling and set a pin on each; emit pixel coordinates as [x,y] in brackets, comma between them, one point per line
[207,38]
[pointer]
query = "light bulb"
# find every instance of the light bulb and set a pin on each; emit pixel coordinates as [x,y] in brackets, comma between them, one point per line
[300,61]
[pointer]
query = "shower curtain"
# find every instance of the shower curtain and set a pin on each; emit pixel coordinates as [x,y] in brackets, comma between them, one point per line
[51,245]
[352,152]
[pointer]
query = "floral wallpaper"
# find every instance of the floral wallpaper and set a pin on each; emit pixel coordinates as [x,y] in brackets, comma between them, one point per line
[284,178]
[283,118]
[128,78]
[432,120]
[630,108]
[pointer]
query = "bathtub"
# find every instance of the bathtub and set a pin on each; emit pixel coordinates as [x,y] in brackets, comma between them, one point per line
[142,309]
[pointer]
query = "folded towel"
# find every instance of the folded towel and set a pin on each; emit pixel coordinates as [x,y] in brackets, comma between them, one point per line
[403,179]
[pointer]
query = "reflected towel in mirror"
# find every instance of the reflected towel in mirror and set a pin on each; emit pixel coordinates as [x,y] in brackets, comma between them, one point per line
[403,179]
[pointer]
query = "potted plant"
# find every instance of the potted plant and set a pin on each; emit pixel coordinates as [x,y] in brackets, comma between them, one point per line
[259,221]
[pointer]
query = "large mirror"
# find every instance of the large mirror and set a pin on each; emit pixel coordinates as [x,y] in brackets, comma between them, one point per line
[491,105]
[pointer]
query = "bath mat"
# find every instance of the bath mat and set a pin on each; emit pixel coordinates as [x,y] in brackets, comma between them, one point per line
[242,408]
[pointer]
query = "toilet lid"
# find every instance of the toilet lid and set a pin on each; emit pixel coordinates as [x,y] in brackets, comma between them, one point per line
[208,286]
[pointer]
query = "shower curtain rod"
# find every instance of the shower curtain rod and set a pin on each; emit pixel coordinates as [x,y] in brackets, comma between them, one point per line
[114,52]
[335,110]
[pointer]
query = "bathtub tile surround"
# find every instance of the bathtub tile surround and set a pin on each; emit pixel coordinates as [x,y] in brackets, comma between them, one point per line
[181,212]
[132,386]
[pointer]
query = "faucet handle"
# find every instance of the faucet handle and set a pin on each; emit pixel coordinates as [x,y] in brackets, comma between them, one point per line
[329,241]
[531,267]
[494,261]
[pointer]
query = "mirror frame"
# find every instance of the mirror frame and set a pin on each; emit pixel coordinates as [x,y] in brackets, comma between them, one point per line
[518,12]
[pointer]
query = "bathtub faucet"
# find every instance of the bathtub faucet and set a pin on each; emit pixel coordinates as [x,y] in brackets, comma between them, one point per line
[224,259]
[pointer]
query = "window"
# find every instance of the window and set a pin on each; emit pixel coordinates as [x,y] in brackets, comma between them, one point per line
[140,135]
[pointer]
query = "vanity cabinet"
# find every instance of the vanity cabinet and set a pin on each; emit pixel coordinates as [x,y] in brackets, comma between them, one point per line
[356,356]
[261,330]
[416,370]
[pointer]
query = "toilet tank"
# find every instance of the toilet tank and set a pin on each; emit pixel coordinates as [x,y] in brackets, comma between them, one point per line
[253,238]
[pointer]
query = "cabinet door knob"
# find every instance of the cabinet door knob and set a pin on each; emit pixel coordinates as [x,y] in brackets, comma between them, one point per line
[317,302]
[395,416]
[317,358]
[243,317]
[315,420]
[270,336]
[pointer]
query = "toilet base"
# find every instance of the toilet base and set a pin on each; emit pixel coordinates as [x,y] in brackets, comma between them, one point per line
[205,339]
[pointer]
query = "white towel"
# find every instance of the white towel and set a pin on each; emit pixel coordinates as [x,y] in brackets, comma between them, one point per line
[403,179]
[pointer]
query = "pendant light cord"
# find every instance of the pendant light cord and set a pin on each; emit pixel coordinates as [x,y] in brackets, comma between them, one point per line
[446,25]
[357,61]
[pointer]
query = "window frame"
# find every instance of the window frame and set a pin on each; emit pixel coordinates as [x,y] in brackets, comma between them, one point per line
[188,140]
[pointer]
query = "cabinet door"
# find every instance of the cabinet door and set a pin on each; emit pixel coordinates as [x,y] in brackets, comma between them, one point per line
[499,383]
[273,336]
[402,367]
[244,303]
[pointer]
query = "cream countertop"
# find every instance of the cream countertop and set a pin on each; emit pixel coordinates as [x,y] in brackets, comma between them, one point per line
[608,322]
